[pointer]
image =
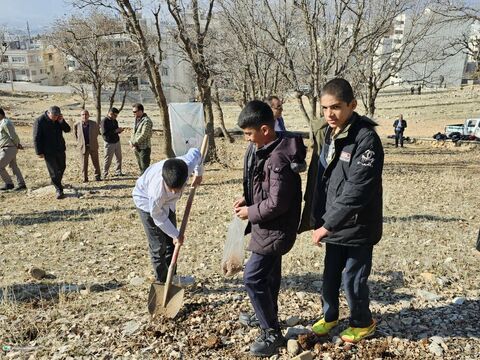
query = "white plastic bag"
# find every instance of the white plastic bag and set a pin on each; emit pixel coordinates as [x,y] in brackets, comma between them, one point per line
[234,252]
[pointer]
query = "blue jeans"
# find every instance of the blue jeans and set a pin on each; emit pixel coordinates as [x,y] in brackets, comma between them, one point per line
[262,277]
[355,263]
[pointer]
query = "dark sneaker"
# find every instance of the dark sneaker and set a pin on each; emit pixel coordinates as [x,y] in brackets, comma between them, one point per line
[98,178]
[119,174]
[7,187]
[60,195]
[268,343]
[20,187]
[247,319]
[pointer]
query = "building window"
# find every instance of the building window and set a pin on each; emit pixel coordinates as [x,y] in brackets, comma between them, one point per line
[33,72]
[41,71]
[5,58]
[18,59]
[397,41]
[164,71]
[50,57]
[398,32]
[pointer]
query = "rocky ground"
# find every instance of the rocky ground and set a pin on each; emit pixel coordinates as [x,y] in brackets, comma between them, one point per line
[93,301]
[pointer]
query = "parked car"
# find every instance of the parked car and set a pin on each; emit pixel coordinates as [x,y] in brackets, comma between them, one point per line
[471,127]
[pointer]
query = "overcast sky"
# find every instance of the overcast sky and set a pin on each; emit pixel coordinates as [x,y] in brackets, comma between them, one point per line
[38,13]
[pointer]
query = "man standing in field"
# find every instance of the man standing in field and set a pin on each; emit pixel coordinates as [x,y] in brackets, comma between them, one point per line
[9,146]
[277,107]
[49,144]
[86,134]
[399,125]
[110,132]
[141,137]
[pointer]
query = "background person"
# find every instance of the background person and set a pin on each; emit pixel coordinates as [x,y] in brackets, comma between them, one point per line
[399,125]
[49,144]
[110,132]
[86,134]
[141,137]
[277,108]
[9,146]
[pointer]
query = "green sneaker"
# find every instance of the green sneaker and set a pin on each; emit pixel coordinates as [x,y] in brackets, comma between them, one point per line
[321,327]
[354,335]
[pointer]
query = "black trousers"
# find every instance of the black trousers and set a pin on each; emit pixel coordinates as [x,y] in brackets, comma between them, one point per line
[355,263]
[56,164]
[399,137]
[262,277]
[143,159]
[160,245]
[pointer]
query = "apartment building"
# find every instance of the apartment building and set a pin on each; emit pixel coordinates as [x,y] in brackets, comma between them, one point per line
[32,60]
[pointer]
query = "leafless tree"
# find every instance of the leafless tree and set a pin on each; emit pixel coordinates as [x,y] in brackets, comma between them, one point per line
[192,29]
[97,43]
[150,47]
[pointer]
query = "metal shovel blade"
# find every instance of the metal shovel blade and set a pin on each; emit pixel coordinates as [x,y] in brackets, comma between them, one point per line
[173,304]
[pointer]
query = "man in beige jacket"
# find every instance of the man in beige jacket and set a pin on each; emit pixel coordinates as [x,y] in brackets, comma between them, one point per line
[86,134]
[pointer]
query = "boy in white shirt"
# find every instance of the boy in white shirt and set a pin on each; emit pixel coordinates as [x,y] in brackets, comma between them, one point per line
[155,195]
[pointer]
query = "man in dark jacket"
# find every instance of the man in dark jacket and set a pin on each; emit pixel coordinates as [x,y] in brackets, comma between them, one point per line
[399,125]
[50,145]
[271,203]
[111,131]
[348,209]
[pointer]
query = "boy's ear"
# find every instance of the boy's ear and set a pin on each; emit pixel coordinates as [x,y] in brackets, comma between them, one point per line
[265,129]
[354,104]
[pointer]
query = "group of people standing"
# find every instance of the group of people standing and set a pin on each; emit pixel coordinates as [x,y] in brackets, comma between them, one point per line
[49,145]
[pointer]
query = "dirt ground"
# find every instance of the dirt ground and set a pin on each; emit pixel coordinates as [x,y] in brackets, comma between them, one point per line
[424,283]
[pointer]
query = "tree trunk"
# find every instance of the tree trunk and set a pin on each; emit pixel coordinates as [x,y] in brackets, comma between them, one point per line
[98,101]
[207,106]
[221,122]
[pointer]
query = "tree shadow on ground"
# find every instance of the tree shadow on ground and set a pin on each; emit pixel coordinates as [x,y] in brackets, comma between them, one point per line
[447,321]
[56,215]
[105,187]
[420,217]
[34,292]
[311,283]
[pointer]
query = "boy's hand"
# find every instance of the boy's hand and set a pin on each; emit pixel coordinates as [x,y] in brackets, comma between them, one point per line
[197,180]
[242,212]
[239,202]
[318,235]
[179,240]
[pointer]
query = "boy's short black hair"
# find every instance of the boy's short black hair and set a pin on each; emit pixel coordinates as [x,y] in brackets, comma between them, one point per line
[340,88]
[2,113]
[175,173]
[114,110]
[255,114]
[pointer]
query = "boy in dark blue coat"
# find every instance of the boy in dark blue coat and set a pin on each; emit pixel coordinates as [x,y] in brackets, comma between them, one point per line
[271,203]
[348,209]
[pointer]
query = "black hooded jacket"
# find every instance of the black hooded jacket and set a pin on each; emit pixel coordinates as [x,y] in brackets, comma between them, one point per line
[349,194]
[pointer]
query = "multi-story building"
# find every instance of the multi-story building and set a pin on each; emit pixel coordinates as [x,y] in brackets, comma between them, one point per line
[32,60]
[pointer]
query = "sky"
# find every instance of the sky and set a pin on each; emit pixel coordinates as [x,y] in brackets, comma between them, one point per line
[14,14]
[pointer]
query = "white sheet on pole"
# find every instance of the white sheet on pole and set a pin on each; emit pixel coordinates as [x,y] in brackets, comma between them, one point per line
[187,125]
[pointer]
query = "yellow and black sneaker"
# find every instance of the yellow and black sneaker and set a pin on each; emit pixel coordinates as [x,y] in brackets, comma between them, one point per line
[322,327]
[354,334]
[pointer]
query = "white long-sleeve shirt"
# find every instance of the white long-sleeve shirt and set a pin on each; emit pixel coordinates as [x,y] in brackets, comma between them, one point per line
[151,195]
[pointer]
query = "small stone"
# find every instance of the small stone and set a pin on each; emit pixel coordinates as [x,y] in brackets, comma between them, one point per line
[293,332]
[435,349]
[66,235]
[428,277]
[292,347]
[459,300]
[37,273]
[337,340]
[292,321]
[427,295]
[306,355]
[300,295]
[137,281]
[130,327]
[448,260]
[37,235]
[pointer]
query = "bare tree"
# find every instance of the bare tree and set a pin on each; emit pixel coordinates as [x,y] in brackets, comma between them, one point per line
[152,55]
[96,42]
[192,28]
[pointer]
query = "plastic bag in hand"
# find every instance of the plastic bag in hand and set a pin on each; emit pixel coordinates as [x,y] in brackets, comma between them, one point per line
[234,252]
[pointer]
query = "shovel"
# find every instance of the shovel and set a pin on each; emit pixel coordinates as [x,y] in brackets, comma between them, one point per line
[167,299]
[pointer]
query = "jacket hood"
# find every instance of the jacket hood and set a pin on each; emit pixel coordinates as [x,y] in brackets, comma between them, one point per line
[291,146]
